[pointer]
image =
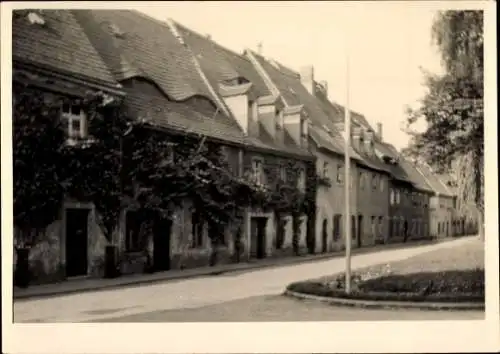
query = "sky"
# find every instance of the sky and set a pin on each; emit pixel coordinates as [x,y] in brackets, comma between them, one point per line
[387,42]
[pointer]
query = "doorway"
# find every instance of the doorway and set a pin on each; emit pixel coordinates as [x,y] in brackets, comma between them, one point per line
[76,242]
[360,230]
[325,236]
[161,243]
[258,237]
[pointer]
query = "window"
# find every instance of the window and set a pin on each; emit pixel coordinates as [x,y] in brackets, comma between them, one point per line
[196,230]
[303,127]
[381,184]
[283,172]
[361,180]
[337,222]
[340,173]
[279,119]
[75,121]
[301,180]
[373,226]
[325,169]
[392,197]
[381,226]
[374,181]
[170,153]
[257,171]
[398,197]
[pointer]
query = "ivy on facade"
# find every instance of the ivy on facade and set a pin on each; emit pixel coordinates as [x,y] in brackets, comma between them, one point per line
[122,162]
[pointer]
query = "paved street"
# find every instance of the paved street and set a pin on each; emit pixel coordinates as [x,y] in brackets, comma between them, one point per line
[281,308]
[242,296]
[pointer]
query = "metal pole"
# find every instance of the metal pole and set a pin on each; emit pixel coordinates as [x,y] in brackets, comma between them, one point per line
[347,182]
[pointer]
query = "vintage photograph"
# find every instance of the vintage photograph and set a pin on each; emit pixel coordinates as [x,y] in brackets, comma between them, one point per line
[261,162]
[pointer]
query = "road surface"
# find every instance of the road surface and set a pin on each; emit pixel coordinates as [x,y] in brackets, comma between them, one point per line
[243,296]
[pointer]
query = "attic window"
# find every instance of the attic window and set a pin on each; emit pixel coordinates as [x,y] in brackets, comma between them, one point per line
[35,18]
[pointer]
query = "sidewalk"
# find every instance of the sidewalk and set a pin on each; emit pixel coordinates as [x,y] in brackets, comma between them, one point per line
[96,284]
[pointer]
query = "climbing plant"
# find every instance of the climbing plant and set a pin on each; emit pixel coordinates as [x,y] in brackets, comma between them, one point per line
[36,149]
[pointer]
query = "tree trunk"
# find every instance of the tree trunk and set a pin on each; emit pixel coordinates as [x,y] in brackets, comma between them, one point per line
[480,222]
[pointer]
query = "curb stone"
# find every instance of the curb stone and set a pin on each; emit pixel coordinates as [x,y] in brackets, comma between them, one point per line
[139,280]
[336,301]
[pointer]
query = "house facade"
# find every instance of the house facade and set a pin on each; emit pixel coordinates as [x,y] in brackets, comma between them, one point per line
[369,224]
[325,143]
[170,91]
[442,212]
[74,243]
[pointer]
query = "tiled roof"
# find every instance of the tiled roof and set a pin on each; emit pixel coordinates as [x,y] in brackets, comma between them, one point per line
[397,171]
[433,181]
[294,93]
[181,116]
[220,63]
[60,44]
[134,44]
[415,176]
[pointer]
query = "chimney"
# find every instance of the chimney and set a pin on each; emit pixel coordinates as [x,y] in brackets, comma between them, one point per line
[357,137]
[324,84]
[368,141]
[379,131]
[259,48]
[307,78]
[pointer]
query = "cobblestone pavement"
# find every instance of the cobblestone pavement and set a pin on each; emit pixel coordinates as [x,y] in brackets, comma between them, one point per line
[281,308]
[252,291]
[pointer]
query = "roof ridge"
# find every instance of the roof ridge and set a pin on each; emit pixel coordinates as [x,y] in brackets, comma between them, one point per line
[269,60]
[215,43]
[219,102]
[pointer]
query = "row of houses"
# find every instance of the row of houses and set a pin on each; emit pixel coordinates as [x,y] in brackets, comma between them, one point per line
[267,116]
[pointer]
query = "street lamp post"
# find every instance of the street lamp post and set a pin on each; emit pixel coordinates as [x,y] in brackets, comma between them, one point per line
[347,181]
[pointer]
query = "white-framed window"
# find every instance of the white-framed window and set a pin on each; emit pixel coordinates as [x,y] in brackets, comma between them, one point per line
[381,184]
[392,197]
[75,121]
[282,170]
[301,180]
[398,197]
[325,169]
[257,171]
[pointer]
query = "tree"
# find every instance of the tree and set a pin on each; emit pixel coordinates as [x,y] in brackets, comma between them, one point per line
[453,107]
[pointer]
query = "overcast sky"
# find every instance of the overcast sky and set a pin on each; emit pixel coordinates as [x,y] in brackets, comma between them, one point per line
[388,44]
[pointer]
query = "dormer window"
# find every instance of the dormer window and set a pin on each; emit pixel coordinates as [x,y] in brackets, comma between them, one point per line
[75,121]
[303,127]
[279,118]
